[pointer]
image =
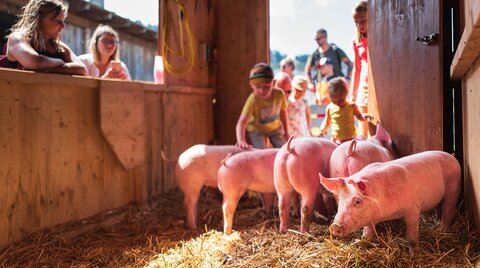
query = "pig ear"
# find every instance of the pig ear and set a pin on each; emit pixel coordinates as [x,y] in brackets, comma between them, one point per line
[361,186]
[351,148]
[382,134]
[332,184]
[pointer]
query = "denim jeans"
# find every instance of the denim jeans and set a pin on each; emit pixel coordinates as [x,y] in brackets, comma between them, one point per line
[259,139]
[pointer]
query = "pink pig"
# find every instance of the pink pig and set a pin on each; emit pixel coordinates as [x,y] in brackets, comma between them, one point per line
[197,167]
[246,171]
[401,188]
[350,157]
[296,167]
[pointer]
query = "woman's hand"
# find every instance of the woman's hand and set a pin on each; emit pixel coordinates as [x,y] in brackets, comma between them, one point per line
[110,73]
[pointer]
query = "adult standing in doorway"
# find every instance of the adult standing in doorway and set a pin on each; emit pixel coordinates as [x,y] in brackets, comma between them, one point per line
[328,50]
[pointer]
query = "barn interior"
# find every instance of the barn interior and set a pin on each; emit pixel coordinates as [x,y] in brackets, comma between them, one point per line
[82,160]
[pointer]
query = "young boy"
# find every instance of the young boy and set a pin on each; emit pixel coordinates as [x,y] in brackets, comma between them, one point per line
[264,114]
[340,113]
[326,70]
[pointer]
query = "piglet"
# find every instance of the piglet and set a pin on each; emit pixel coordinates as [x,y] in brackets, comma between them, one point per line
[251,170]
[350,157]
[296,167]
[401,188]
[197,167]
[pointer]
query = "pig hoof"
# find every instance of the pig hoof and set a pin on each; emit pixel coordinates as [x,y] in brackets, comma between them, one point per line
[412,247]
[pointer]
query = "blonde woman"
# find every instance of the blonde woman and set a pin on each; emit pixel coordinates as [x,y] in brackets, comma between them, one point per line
[360,73]
[34,42]
[104,57]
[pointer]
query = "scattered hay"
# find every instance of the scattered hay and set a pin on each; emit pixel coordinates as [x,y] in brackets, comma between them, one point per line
[157,237]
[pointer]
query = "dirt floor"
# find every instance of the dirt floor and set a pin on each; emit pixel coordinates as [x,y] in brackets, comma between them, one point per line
[156,236]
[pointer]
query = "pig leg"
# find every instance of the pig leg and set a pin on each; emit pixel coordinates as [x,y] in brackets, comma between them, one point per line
[449,202]
[308,201]
[267,200]
[230,202]
[368,231]
[284,209]
[190,202]
[296,204]
[330,205]
[412,219]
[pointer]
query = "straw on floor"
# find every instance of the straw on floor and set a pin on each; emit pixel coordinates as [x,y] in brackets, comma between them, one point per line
[156,236]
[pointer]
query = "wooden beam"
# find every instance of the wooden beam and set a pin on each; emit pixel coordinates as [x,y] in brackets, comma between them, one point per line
[469,47]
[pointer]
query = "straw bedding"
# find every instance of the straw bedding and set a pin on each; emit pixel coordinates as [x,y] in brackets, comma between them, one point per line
[156,236]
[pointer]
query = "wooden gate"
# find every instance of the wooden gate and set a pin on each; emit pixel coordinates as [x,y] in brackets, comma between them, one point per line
[405,78]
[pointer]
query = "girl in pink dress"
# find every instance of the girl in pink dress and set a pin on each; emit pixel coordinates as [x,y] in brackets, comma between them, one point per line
[360,73]
[299,120]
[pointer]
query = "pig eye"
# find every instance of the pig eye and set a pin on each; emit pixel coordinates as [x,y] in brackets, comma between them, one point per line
[357,202]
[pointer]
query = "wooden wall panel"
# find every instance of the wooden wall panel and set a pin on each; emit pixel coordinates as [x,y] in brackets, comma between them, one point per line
[242,40]
[406,74]
[182,130]
[153,147]
[54,164]
[471,138]
[200,17]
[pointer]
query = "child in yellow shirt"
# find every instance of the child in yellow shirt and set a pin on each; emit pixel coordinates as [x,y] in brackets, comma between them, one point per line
[264,115]
[340,113]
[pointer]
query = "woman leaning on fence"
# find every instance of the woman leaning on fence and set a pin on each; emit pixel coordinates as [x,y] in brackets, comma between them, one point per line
[34,42]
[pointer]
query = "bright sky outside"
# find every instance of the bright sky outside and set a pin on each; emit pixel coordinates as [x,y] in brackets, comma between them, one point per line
[293,23]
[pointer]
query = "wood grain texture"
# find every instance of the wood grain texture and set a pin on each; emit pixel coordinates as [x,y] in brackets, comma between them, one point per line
[122,121]
[471,138]
[407,74]
[200,18]
[237,51]
[469,46]
[55,164]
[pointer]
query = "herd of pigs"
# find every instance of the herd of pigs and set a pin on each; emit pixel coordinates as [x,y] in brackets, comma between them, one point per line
[360,181]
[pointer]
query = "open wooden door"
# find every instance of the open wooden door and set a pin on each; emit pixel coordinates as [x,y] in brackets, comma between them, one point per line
[405,78]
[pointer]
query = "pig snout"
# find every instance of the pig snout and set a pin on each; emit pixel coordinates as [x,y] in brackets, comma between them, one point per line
[337,230]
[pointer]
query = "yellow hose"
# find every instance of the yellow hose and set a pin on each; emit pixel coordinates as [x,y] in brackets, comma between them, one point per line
[187,56]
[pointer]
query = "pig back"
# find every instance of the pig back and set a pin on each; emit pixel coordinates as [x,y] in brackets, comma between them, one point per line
[199,163]
[351,157]
[420,179]
[252,170]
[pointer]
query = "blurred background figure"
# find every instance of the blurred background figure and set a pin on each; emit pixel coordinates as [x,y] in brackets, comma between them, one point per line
[104,57]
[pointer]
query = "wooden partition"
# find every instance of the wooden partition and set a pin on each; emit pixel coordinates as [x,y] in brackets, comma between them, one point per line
[466,66]
[57,162]
[405,79]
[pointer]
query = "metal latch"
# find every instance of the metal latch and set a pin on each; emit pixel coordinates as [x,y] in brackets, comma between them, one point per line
[428,39]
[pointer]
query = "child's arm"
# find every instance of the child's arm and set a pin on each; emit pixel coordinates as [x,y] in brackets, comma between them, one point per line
[326,122]
[284,119]
[359,115]
[309,119]
[240,132]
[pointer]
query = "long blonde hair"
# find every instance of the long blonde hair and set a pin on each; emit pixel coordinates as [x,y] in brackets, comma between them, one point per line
[99,31]
[30,22]
[361,6]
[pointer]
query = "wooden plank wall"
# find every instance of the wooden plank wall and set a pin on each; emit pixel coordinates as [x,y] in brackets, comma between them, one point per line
[242,40]
[405,75]
[55,165]
[466,65]
[200,18]
[471,123]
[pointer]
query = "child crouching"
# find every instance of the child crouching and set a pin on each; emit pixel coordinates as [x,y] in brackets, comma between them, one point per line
[264,114]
